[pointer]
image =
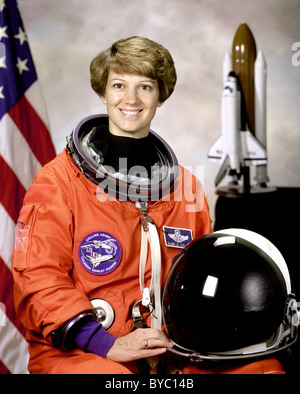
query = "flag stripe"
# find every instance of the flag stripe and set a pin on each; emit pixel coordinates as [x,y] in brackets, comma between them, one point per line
[7,236]
[10,183]
[7,297]
[3,369]
[16,152]
[25,146]
[10,355]
[37,136]
[35,97]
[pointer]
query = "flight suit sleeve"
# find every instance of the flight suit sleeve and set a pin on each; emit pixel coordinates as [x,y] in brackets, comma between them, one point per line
[204,220]
[45,295]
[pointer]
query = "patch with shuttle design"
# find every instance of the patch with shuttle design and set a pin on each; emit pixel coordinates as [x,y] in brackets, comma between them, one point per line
[100,253]
[177,237]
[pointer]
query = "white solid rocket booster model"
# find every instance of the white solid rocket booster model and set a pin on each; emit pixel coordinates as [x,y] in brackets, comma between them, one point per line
[243,139]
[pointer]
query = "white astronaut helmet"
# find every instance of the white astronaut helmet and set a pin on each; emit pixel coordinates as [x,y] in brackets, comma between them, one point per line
[228,297]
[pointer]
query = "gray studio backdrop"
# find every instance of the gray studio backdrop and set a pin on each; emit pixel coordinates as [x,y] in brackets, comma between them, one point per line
[65,35]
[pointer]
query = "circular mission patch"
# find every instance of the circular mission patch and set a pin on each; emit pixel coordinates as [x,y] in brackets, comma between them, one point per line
[100,253]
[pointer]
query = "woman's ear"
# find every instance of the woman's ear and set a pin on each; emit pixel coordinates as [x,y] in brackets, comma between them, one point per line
[103,99]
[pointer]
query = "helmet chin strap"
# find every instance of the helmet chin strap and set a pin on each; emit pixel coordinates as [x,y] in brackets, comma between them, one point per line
[151,296]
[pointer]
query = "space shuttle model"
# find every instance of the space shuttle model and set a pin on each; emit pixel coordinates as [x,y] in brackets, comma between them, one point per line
[243,140]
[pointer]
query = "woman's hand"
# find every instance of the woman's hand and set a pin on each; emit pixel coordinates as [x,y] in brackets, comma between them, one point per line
[141,343]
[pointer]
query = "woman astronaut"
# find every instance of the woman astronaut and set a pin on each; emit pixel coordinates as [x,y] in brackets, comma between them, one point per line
[101,224]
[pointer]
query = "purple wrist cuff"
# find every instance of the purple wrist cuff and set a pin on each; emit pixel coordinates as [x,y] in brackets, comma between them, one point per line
[93,338]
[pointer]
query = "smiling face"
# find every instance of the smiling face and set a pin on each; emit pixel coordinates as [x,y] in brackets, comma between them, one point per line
[131,102]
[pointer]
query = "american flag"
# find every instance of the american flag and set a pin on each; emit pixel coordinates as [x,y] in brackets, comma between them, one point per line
[25,146]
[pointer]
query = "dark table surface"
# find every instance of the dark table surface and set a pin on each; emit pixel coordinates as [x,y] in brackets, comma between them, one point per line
[276,216]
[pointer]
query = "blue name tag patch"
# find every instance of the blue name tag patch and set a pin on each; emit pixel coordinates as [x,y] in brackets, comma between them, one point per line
[177,237]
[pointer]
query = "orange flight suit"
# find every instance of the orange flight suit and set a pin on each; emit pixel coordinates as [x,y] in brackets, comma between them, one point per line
[63,213]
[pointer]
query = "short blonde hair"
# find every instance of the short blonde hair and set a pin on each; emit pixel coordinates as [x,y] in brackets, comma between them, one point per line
[135,55]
